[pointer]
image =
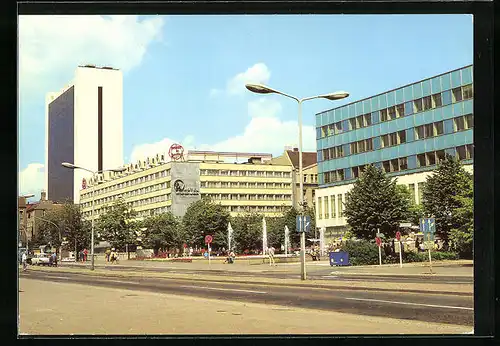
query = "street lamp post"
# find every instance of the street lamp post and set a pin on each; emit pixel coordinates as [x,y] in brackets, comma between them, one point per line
[23,226]
[94,173]
[262,89]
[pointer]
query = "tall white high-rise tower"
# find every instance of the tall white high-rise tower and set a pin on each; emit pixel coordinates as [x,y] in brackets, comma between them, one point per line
[83,126]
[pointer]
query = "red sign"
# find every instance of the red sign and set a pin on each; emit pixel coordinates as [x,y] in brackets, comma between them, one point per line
[185,245]
[398,235]
[208,239]
[84,184]
[379,241]
[176,152]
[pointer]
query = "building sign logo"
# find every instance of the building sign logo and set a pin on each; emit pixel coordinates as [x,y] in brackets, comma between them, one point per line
[84,184]
[176,152]
[181,189]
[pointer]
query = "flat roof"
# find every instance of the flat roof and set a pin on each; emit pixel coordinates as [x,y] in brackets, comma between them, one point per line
[388,91]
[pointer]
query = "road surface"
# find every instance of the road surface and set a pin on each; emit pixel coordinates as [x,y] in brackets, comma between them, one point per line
[451,308]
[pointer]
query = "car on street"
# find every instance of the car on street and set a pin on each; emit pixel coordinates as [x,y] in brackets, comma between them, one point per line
[41,259]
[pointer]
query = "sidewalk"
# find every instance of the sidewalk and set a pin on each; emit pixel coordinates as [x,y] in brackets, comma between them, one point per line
[54,310]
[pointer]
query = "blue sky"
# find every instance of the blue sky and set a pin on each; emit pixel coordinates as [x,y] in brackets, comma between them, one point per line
[184,75]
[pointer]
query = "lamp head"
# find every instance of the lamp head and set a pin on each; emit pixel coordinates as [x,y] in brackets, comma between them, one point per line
[338,95]
[68,165]
[259,88]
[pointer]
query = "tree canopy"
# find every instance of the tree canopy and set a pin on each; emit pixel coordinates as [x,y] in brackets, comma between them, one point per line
[162,231]
[375,203]
[117,225]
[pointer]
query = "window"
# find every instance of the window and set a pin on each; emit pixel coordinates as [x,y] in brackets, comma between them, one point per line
[440,155]
[323,131]
[383,115]
[421,187]
[467,92]
[339,205]
[327,209]
[461,152]
[385,141]
[394,165]
[361,146]
[459,123]
[369,144]
[355,172]
[436,100]
[402,136]
[386,165]
[332,205]
[469,148]
[338,127]
[457,94]
[469,121]
[408,108]
[439,128]
[403,163]
[331,129]
[421,160]
[368,119]
[427,103]
[354,148]
[393,138]
[418,105]
[320,208]
[340,174]
[352,124]
[326,154]
[400,110]
[392,112]
[340,151]
[431,158]
[360,121]
[429,130]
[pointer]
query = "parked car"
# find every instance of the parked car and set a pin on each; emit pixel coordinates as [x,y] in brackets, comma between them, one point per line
[41,259]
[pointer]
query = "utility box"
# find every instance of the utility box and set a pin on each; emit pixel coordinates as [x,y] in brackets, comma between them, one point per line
[340,258]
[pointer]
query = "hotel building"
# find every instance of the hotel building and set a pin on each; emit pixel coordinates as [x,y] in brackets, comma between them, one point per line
[405,132]
[83,126]
[154,186]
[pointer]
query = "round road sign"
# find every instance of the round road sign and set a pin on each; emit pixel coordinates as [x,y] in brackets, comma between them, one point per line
[379,242]
[398,235]
[208,239]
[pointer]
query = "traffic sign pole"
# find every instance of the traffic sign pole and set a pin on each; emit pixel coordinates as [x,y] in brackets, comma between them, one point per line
[400,254]
[379,255]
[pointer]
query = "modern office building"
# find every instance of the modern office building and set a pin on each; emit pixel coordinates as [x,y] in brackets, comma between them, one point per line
[405,131]
[83,126]
[309,169]
[154,186]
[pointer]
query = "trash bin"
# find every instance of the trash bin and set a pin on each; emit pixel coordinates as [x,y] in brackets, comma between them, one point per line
[340,258]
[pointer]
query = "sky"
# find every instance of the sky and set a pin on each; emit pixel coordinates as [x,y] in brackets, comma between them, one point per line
[184,76]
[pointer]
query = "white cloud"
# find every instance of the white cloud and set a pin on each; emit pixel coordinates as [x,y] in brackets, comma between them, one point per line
[32,180]
[264,107]
[50,47]
[143,151]
[258,73]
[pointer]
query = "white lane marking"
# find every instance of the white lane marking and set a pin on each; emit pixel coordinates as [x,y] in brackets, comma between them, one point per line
[59,277]
[329,276]
[406,303]
[224,289]
[123,282]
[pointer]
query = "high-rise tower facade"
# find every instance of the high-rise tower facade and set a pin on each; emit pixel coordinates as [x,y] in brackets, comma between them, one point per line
[83,126]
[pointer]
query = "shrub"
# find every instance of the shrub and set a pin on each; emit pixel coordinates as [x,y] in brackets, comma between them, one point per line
[441,256]
[410,256]
[362,252]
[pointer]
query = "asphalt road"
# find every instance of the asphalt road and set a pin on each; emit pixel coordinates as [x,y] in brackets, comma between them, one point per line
[441,308]
[313,273]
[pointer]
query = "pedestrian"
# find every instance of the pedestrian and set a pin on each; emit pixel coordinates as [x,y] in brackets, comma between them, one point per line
[113,256]
[106,254]
[53,259]
[24,259]
[190,251]
[270,252]
[85,253]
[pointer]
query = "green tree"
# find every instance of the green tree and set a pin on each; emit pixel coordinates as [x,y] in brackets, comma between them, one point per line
[290,220]
[440,195]
[116,225]
[205,217]
[248,231]
[70,226]
[415,211]
[374,203]
[162,231]
[463,215]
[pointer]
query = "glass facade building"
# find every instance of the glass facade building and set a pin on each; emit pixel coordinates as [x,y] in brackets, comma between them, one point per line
[403,131]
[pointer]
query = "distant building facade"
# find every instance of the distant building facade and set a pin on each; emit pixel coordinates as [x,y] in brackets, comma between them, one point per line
[83,126]
[405,132]
[309,170]
[154,186]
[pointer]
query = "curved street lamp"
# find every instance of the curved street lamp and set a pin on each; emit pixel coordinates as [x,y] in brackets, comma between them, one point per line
[338,95]
[94,173]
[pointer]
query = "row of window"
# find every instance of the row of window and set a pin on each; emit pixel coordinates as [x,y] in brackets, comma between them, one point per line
[460,123]
[255,209]
[463,152]
[404,109]
[245,173]
[132,182]
[332,208]
[251,185]
[249,197]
